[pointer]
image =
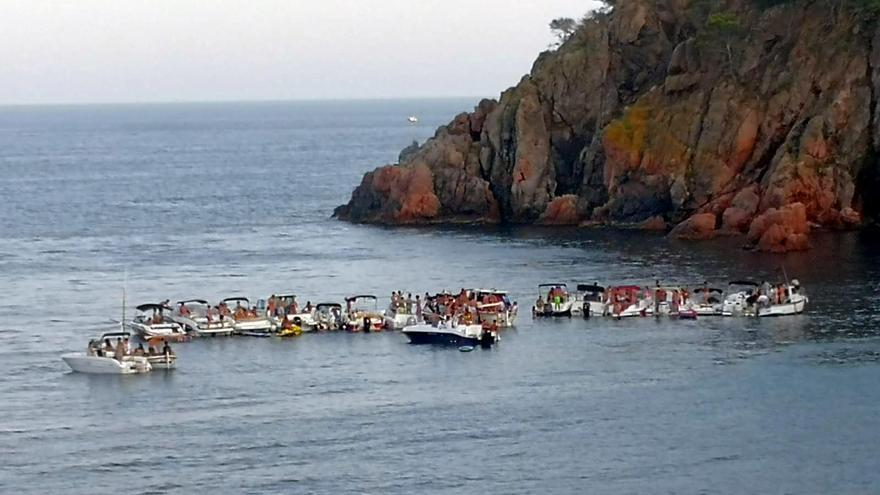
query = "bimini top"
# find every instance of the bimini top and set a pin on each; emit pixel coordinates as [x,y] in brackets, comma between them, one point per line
[197,301]
[147,307]
[708,289]
[113,335]
[285,296]
[552,285]
[626,287]
[744,282]
[237,299]
[328,305]
[590,288]
[364,296]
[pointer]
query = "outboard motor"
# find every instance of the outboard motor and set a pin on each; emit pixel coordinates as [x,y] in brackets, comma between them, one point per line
[487,338]
[586,310]
[366,324]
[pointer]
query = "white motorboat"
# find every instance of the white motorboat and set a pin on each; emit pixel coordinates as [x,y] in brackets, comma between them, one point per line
[553,300]
[96,361]
[667,301]
[450,333]
[589,300]
[399,315]
[740,299]
[626,301]
[495,307]
[197,317]
[707,301]
[283,305]
[153,320]
[328,317]
[784,299]
[246,320]
[362,314]
[412,119]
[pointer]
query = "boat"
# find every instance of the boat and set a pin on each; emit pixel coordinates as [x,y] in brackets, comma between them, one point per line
[328,317]
[95,361]
[246,320]
[626,301]
[784,300]
[283,302]
[362,314]
[400,315]
[193,316]
[450,332]
[412,119]
[553,300]
[740,299]
[667,301]
[589,300]
[707,301]
[496,308]
[153,320]
[161,360]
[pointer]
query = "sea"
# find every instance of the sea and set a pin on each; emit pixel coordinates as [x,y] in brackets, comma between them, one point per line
[106,207]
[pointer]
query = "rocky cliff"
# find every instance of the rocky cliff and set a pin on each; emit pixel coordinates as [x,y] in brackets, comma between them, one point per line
[743,117]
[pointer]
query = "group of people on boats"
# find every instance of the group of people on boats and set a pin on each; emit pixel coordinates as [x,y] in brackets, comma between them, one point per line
[123,349]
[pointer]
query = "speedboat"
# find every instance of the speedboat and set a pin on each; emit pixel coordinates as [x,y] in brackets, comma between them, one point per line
[153,320]
[165,359]
[193,316]
[667,301]
[96,361]
[306,319]
[399,316]
[742,295]
[328,316]
[589,300]
[246,320]
[412,119]
[495,308]
[553,300]
[446,332]
[625,301]
[783,300]
[362,314]
[707,301]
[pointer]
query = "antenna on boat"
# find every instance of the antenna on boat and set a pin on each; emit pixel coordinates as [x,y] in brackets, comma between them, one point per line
[124,283]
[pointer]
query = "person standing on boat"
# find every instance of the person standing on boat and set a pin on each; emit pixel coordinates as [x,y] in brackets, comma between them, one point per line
[418,308]
[120,350]
[270,306]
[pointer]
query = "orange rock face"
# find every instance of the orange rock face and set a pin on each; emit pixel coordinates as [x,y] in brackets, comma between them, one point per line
[698,227]
[561,211]
[781,230]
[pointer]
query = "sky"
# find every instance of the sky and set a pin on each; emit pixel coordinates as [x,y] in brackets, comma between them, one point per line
[94,51]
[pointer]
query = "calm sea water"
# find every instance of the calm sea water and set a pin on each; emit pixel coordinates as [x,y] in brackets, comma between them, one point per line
[178,201]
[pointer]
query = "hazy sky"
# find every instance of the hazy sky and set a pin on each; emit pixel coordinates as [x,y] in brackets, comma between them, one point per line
[203,50]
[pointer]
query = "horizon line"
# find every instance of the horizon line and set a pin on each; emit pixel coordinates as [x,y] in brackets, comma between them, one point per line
[221,101]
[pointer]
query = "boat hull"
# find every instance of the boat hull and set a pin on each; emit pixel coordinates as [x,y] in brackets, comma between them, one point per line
[97,365]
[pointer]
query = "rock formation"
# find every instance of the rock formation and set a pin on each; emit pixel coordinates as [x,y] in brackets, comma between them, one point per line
[742,117]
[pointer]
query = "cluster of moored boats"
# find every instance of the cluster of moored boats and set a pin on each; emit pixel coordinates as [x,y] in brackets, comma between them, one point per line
[470,318]
[741,298]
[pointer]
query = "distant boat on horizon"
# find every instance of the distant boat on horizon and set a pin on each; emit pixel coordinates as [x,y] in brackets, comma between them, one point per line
[412,119]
